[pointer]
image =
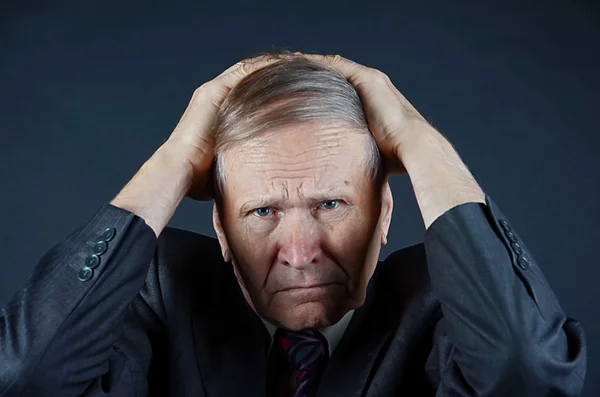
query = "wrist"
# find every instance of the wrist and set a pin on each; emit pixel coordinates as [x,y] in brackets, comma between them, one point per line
[421,144]
[439,177]
[157,189]
[170,157]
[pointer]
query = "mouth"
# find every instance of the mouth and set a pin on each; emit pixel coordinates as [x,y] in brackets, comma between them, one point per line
[309,287]
[313,292]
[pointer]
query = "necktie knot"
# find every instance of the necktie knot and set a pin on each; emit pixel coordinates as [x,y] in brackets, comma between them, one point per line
[307,353]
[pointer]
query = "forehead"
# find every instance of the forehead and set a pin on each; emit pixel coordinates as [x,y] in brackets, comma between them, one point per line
[308,156]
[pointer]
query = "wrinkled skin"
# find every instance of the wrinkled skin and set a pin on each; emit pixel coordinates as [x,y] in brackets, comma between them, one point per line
[302,223]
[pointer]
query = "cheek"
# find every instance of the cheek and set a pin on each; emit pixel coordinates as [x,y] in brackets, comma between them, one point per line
[353,243]
[253,256]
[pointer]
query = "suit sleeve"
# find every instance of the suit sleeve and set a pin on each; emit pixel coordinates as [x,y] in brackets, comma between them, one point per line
[61,335]
[503,332]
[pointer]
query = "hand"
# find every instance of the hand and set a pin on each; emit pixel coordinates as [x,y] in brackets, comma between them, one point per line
[392,119]
[191,139]
[182,165]
[440,179]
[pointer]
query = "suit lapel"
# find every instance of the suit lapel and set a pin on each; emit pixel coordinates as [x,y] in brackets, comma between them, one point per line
[361,347]
[230,341]
[398,301]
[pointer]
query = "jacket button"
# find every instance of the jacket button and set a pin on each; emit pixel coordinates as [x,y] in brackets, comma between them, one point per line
[511,236]
[109,234]
[85,274]
[100,247]
[92,261]
[524,262]
[504,225]
[517,248]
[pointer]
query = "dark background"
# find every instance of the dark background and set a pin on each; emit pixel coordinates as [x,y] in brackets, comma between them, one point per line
[88,92]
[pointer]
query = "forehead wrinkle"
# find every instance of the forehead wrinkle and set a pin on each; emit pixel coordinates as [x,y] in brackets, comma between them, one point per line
[292,169]
[317,167]
[284,188]
[277,189]
[331,192]
[281,162]
[261,198]
[305,190]
[321,173]
[314,174]
[271,154]
[267,144]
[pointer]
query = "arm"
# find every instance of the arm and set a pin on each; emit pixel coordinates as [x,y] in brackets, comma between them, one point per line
[439,178]
[503,331]
[60,334]
[57,333]
[63,334]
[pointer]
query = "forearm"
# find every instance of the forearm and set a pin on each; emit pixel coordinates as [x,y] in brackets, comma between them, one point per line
[440,179]
[501,318]
[502,324]
[56,333]
[155,192]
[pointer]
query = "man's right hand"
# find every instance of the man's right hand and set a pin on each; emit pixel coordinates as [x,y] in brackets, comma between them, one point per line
[182,165]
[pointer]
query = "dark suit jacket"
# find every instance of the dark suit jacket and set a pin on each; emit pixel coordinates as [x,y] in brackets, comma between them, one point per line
[467,313]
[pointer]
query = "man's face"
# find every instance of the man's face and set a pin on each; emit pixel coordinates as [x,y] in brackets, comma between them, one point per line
[302,223]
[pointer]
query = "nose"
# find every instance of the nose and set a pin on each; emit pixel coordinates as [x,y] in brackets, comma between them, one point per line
[299,247]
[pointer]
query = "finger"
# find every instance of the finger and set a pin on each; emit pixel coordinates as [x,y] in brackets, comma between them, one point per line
[346,67]
[237,72]
[240,63]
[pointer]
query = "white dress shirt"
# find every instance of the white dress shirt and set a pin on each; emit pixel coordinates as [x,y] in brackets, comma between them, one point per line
[333,334]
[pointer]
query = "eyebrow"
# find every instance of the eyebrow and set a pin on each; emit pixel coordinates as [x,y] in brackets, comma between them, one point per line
[343,193]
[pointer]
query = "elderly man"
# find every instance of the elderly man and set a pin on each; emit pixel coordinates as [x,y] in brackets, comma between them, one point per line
[291,299]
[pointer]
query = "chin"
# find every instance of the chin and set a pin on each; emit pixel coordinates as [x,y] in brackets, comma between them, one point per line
[309,315]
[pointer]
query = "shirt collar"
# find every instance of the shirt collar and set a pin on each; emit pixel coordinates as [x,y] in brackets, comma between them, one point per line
[333,334]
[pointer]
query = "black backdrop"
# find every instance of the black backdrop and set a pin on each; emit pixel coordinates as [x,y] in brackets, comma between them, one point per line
[87,92]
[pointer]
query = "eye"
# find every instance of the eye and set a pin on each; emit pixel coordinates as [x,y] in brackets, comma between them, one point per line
[263,211]
[329,204]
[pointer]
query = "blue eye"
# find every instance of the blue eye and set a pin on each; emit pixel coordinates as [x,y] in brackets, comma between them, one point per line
[264,211]
[329,204]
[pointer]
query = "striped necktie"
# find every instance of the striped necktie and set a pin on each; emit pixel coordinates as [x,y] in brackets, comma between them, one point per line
[307,353]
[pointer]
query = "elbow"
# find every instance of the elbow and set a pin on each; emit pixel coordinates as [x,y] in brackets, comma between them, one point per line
[12,377]
[23,377]
[549,361]
[556,364]
[533,370]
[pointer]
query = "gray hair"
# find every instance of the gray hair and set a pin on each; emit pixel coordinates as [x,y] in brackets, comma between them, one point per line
[293,90]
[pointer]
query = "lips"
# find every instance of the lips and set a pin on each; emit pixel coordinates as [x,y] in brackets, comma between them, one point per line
[309,286]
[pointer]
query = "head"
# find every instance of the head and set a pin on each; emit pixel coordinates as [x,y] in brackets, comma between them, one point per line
[302,202]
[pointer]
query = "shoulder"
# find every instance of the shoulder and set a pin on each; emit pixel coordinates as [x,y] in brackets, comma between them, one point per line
[179,244]
[405,270]
[186,260]
[401,283]
[194,278]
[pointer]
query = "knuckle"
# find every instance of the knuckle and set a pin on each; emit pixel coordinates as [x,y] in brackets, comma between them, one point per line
[379,75]
[210,92]
[198,92]
[244,68]
[334,59]
[203,89]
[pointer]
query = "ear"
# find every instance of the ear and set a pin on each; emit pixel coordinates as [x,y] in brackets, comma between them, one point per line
[387,206]
[221,234]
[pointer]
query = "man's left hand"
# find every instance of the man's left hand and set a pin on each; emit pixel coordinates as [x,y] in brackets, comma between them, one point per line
[392,119]
[409,144]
